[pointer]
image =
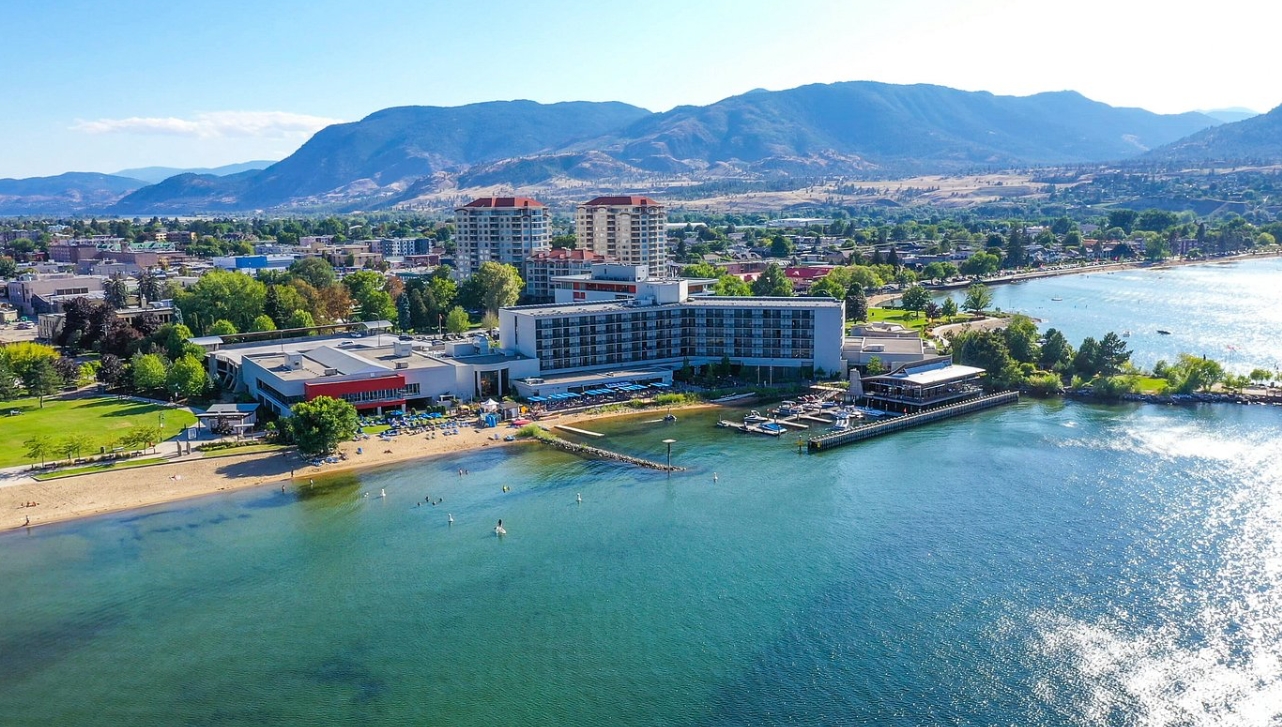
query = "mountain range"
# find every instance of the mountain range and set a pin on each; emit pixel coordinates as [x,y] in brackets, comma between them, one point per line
[860,129]
[153,175]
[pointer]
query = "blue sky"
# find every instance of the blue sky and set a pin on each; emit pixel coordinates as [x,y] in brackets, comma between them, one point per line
[98,86]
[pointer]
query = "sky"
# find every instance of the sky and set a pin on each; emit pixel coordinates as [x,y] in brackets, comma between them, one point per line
[104,86]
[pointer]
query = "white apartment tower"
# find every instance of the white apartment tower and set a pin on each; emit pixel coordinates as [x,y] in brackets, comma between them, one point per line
[631,230]
[500,229]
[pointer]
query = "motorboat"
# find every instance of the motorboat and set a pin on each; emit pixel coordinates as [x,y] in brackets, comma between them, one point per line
[1164,333]
[755,418]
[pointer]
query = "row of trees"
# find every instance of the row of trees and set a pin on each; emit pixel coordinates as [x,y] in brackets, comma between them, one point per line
[310,293]
[44,447]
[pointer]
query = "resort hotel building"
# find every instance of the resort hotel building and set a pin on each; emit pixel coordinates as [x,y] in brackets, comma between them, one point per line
[542,350]
[500,229]
[663,330]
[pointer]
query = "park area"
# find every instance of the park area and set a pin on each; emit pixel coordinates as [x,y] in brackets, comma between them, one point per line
[97,422]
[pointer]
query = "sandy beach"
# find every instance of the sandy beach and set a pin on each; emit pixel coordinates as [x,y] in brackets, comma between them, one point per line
[95,494]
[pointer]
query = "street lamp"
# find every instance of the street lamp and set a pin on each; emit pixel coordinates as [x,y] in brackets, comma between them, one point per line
[669,442]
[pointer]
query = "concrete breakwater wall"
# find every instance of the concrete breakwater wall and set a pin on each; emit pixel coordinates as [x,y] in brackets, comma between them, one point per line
[868,431]
[584,450]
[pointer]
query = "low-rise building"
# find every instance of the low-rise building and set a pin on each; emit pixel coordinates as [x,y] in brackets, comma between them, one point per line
[914,387]
[542,267]
[25,292]
[614,281]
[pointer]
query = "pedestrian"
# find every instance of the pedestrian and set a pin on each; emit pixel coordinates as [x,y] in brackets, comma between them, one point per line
[28,522]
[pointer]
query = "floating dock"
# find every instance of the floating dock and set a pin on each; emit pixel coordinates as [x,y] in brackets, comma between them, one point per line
[868,431]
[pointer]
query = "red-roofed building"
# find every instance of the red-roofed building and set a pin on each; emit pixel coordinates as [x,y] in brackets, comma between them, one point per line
[629,229]
[803,277]
[500,229]
[493,202]
[541,267]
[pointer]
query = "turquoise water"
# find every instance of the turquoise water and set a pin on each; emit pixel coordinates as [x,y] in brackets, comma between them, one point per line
[1045,563]
[1228,311]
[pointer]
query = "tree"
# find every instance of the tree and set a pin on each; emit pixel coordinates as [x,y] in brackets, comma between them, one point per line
[457,320]
[187,377]
[262,323]
[1192,373]
[978,297]
[949,308]
[223,327]
[856,303]
[939,271]
[150,286]
[112,372]
[39,447]
[115,292]
[1021,339]
[218,294]
[42,380]
[781,246]
[772,283]
[273,308]
[149,371]
[68,370]
[1056,353]
[316,271]
[732,285]
[22,356]
[141,436]
[8,267]
[915,299]
[1113,354]
[499,285]
[981,263]
[300,319]
[9,389]
[368,290]
[987,350]
[317,426]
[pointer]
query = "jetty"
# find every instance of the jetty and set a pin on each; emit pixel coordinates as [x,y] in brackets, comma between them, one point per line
[576,430]
[584,450]
[825,442]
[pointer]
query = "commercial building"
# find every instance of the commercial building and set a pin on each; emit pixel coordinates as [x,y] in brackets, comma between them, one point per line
[794,333]
[922,385]
[543,266]
[890,343]
[614,281]
[31,294]
[504,230]
[630,229]
[372,371]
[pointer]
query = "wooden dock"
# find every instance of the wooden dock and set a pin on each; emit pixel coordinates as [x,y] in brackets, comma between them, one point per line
[579,431]
[750,428]
[868,431]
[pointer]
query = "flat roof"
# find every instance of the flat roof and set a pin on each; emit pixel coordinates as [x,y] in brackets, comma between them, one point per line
[715,301]
[886,344]
[932,376]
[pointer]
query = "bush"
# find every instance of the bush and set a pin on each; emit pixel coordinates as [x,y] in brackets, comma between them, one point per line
[675,399]
[1044,383]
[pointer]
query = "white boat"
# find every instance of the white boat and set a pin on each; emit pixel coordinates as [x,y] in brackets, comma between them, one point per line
[498,530]
[755,418]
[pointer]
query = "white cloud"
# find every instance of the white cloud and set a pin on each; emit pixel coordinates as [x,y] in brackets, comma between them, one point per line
[213,125]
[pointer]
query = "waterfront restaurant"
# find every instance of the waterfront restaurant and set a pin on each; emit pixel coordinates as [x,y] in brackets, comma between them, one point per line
[915,387]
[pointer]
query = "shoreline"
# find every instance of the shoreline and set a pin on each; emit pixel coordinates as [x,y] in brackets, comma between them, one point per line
[104,493]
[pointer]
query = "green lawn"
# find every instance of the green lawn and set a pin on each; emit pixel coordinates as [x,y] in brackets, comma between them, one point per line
[1151,384]
[104,419]
[247,449]
[122,464]
[907,319]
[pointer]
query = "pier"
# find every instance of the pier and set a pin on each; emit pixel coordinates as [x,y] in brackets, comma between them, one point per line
[584,450]
[579,431]
[868,431]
